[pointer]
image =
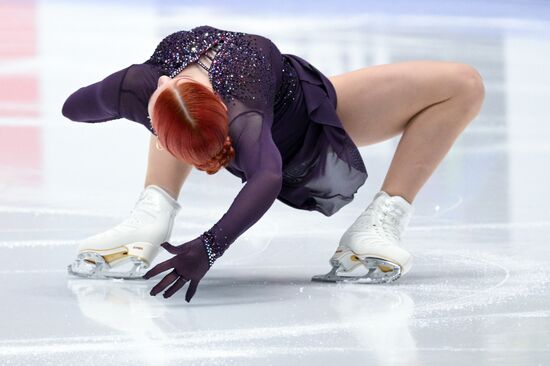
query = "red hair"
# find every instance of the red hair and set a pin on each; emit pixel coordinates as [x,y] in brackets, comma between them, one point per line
[191,123]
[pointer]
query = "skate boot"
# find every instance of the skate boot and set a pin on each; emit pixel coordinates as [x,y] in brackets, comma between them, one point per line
[131,245]
[372,242]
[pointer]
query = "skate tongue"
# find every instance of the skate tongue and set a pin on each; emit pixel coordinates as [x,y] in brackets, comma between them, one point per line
[401,203]
[396,198]
[398,201]
[381,193]
[161,192]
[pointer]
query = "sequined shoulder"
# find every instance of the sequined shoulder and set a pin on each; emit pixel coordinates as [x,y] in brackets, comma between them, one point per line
[180,48]
[243,70]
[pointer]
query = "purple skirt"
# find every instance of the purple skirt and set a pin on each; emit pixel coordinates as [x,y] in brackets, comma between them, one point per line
[325,169]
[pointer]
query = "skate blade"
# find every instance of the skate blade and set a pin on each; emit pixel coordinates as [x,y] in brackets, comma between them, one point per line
[379,271]
[92,265]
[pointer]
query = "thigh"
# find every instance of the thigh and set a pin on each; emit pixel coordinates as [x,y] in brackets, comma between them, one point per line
[375,103]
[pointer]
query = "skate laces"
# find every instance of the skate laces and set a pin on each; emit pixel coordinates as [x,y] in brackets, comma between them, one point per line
[387,220]
[389,223]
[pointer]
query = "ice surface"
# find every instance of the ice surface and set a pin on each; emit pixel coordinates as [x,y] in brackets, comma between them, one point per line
[479,290]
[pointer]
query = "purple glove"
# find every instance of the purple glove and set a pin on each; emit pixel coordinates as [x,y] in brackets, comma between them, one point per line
[190,263]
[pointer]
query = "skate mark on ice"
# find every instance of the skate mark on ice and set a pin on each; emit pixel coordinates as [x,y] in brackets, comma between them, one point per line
[475,296]
[454,206]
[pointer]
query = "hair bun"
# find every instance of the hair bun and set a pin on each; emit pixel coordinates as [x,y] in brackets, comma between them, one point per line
[222,158]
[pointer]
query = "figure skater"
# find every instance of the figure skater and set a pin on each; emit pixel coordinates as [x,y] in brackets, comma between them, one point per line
[215,98]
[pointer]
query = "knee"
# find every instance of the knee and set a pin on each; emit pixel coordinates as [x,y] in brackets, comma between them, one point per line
[470,85]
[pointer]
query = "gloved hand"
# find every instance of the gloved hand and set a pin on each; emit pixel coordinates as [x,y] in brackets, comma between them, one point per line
[190,263]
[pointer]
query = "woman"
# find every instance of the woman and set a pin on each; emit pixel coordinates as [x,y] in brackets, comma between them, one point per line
[215,98]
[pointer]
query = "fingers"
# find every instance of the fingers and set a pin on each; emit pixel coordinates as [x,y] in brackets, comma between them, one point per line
[191,290]
[175,287]
[170,248]
[165,282]
[161,267]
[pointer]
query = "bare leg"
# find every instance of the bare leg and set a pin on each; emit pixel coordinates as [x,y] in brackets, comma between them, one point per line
[165,171]
[425,142]
[431,102]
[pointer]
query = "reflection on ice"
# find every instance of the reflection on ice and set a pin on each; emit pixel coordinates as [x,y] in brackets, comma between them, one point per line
[379,321]
[126,308]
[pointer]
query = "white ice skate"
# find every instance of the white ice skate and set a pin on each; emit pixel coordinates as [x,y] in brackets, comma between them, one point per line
[373,241]
[131,245]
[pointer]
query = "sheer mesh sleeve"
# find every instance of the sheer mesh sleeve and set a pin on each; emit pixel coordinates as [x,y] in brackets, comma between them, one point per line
[257,156]
[123,94]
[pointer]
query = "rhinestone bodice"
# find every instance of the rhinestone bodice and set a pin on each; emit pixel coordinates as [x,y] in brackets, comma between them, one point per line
[287,90]
[242,68]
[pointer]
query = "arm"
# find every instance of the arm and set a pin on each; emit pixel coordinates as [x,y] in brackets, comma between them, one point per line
[123,94]
[261,162]
[258,157]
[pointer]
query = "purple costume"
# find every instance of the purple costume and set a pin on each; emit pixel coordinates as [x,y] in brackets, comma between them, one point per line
[288,139]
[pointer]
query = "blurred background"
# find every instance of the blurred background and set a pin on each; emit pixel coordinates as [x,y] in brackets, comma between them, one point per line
[480,289]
